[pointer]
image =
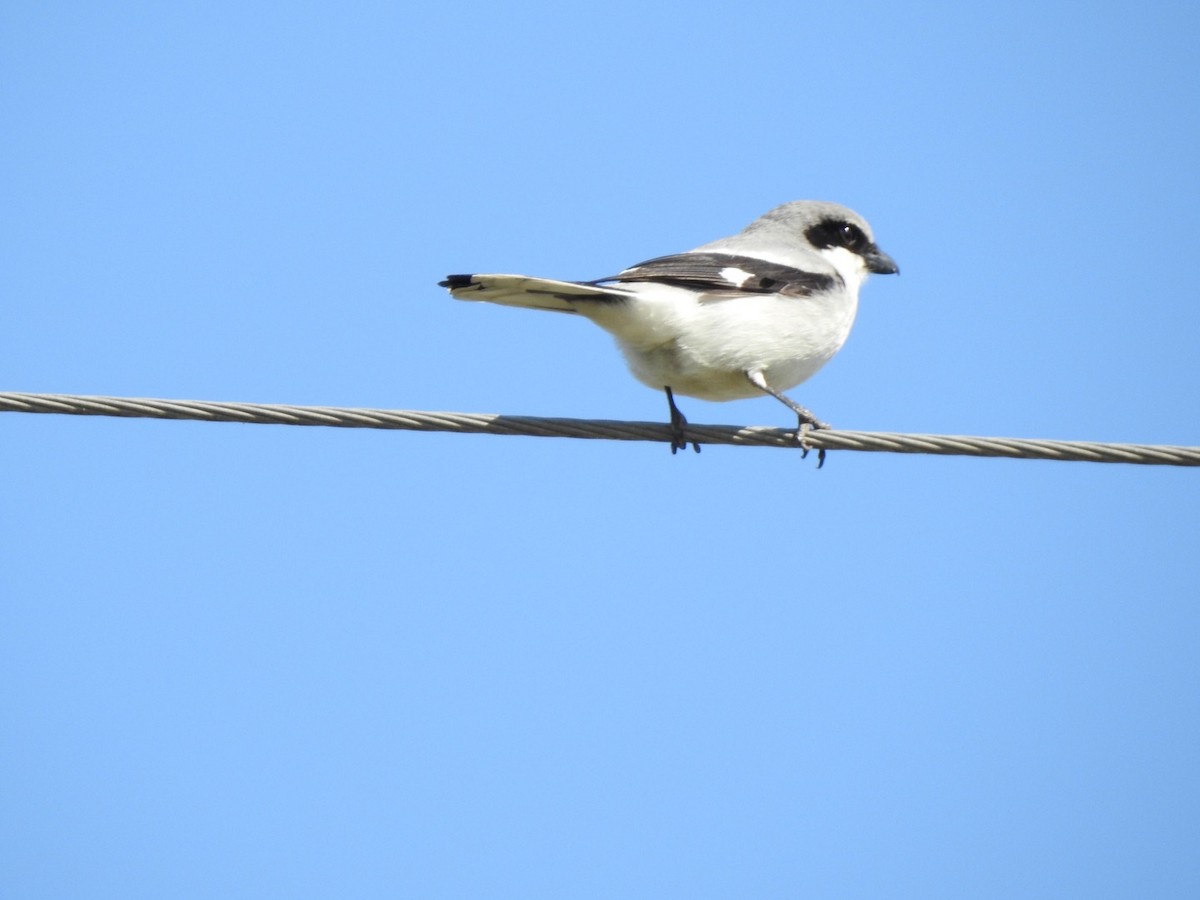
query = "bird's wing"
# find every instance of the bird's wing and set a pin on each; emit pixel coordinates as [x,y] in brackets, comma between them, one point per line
[533,293]
[727,273]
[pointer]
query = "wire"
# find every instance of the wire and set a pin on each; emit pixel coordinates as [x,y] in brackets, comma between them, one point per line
[595,429]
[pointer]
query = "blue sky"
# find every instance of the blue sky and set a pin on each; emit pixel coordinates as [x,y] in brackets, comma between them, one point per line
[247,661]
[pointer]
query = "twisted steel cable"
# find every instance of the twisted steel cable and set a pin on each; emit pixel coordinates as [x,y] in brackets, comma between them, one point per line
[595,429]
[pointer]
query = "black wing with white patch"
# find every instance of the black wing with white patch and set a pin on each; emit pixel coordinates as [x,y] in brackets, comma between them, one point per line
[726,272]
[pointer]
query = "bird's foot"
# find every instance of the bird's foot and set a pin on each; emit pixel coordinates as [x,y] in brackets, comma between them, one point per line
[802,439]
[679,439]
[806,417]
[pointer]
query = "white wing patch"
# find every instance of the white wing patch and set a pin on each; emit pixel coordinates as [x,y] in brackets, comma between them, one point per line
[735,276]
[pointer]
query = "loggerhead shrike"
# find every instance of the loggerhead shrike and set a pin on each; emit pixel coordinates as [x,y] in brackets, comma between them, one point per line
[757,312]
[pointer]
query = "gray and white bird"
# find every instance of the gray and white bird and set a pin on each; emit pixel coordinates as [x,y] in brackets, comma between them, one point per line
[757,312]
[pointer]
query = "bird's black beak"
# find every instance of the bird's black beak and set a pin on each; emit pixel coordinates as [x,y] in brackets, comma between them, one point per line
[879,262]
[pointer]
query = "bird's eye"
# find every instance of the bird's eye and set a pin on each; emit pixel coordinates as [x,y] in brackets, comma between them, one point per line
[829,233]
[852,237]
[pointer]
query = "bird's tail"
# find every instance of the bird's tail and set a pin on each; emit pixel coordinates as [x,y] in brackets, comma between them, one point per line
[532,293]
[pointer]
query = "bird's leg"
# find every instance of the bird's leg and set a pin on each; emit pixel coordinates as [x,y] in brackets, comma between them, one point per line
[679,439]
[805,416]
[808,422]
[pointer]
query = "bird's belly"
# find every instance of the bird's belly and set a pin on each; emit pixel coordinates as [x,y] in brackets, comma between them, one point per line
[709,352]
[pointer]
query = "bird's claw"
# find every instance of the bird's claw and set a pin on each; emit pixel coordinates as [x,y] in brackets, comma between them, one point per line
[679,440]
[802,440]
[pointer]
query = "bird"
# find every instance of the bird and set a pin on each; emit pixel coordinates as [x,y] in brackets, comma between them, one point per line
[755,313]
